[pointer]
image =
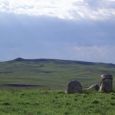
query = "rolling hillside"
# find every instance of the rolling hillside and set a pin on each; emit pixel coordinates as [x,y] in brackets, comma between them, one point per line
[51,73]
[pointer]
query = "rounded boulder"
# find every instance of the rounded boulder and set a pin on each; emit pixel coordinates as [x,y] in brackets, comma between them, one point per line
[74,86]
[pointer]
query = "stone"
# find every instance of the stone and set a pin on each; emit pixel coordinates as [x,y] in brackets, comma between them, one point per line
[106,83]
[74,87]
[94,87]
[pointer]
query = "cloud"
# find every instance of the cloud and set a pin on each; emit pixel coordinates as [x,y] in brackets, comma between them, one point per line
[51,37]
[63,9]
[54,29]
[92,53]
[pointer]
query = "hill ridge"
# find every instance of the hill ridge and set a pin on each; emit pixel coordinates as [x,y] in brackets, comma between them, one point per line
[61,61]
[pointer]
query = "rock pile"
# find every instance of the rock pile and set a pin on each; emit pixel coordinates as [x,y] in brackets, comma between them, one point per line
[104,86]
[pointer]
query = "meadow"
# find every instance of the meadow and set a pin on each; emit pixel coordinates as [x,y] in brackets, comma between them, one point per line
[49,102]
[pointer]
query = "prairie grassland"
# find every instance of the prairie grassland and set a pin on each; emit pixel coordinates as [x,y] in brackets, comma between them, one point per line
[50,102]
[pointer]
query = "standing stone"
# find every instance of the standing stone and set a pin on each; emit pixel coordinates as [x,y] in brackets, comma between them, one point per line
[74,87]
[106,83]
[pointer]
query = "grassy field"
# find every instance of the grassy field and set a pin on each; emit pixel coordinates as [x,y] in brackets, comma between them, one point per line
[48,102]
[53,74]
[36,87]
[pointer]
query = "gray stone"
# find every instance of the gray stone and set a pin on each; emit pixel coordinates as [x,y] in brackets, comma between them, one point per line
[74,87]
[106,83]
[94,87]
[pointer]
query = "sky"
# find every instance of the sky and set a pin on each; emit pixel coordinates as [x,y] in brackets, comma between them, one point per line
[58,29]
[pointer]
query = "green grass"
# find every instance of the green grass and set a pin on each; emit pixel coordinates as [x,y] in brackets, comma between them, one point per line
[50,102]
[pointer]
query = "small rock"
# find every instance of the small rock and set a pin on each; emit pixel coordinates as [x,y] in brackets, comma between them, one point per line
[94,87]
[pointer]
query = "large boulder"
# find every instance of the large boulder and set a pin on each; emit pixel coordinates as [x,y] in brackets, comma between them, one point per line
[106,83]
[74,87]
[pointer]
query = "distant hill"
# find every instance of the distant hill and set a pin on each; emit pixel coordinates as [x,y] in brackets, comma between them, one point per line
[52,73]
[62,61]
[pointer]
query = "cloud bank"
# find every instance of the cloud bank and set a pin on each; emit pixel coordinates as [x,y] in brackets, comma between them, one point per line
[92,53]
[63,9]
[65,29]
[33,37]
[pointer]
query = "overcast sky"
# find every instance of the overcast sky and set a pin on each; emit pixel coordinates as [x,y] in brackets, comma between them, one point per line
[61,29]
